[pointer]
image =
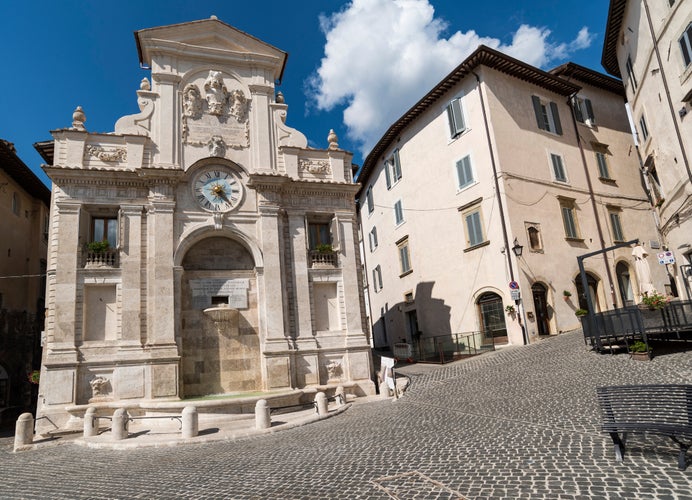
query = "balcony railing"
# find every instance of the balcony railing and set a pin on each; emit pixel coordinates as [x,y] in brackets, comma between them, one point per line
[108,258]
[323,260]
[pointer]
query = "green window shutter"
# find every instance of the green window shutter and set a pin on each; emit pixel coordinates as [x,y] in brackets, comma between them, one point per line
[589,111]
[456,118]
[556,118]
[539,113]
[396,164]
[577,110]
[464,172]
[387,175]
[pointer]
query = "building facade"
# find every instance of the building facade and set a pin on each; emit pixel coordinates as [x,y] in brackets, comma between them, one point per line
[649,45]
[24,205]
[201,248]
[501,155]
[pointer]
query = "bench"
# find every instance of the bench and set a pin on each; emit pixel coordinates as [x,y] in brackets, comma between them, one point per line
[659,409]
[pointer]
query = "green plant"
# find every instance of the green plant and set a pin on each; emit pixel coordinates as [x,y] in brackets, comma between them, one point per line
[638,346]
[655,300]
[581,312]
[98,246]
[324,248]
[510,309]
[34,376]
[566,293]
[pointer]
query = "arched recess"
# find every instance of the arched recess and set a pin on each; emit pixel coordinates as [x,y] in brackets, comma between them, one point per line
[542,308]
[491,315]
[624,279]
[190,238]
[593,283]
[218,357]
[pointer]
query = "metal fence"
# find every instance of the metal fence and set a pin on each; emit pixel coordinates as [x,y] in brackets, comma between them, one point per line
[446,348]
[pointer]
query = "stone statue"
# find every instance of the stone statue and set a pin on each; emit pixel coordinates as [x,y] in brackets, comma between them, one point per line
[217,147]
[217,95]
[239,105]
[334,370]
[192,102]
[98,386]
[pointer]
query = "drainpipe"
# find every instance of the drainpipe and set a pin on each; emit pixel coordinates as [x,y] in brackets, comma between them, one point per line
[499,200]
[592,197]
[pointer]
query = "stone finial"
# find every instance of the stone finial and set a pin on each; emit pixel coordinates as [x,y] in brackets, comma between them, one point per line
[279,97]
[144,84]
[333,140]
[78,119]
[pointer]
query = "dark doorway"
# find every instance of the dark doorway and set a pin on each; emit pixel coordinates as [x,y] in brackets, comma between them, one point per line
[492,316]
[593,287]
[540,304]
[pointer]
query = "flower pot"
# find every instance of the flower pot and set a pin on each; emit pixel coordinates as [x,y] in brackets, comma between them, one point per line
[640,356]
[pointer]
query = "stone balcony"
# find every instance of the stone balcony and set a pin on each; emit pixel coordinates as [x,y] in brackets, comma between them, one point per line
[323,260]
[99,260]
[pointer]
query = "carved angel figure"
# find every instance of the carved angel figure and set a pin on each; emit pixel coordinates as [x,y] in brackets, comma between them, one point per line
[98,386]
[217,146]
[334,369]
[192,102]
[217,94]
[239,105]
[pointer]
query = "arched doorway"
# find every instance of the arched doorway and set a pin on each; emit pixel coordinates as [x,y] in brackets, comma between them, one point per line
[593,292]
[622,272]
[492,316]
[540,305]
[224,356]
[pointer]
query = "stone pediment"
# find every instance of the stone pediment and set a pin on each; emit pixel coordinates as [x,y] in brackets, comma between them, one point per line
[210,36]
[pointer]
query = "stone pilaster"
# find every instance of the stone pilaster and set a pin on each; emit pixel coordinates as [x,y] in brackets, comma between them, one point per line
[131,265]
[301,282]
[166,127]
[351,287]
[270,279]
[261,147]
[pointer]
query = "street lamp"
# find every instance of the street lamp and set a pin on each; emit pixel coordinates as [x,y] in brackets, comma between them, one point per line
[517,248]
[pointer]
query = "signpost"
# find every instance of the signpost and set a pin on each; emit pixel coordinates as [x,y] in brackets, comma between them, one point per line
[666,257]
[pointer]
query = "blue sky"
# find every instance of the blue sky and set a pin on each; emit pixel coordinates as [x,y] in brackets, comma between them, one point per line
[354,66]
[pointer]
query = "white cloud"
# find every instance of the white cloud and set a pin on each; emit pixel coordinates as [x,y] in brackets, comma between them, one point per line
[381,56]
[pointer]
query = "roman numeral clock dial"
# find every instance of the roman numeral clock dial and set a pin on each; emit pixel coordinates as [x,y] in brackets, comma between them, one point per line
[217,189]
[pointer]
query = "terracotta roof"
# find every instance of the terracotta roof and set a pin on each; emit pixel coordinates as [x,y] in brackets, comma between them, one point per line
[46,149]
[609,58]
[590,77]
[22,175]
[482,56]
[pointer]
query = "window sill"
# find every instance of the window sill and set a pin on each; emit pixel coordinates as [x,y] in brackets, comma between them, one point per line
[406,273]
[576,240]
[466,186]
[457,137]
[607,180]
[483,244]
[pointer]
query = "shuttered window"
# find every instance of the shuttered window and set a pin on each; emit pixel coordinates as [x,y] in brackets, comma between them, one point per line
[455,116]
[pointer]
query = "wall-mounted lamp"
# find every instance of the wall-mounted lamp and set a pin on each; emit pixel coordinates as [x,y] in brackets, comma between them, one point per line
[517,248]
[682,112]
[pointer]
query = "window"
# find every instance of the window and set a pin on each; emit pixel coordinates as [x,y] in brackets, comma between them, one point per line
[373,239]
[404,257]
[643,128]
[616,226]
[534,233]
[368,196]
[602,165]
[474,228]
[319,233]
[377,278]
[583,111]
[569,219]
[547,115]
[398,213]
[558,168]
[630,74]
[105,229]
[655,185]
[464,172]
[456,118]
[686,45]
[16,205]
[392,169]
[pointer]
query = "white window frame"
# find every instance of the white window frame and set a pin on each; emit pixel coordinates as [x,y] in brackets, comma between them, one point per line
[685,43]
[455,118]
[392,169]
[547,115]
[466,168]
[404,257]
[372,236]
[377,278]
[473,226]
[557,167]
[398,213]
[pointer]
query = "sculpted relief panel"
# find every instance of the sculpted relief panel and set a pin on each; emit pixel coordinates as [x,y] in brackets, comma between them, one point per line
[215,117]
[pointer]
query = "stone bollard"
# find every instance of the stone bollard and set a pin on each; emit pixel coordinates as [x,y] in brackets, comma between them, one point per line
[91,422]
[24,431]
[321,400]
[119,424]
[340,394]
[190,422]
[263,419]
[384,390]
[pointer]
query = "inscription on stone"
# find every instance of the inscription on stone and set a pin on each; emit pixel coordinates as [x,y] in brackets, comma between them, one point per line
[235,290]
[200,131]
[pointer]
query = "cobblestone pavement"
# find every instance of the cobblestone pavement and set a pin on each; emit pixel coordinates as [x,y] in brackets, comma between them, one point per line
[521,422]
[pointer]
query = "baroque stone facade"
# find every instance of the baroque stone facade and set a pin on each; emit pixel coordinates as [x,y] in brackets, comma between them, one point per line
[201,248]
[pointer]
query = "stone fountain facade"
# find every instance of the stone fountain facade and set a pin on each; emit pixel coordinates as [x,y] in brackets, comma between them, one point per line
[206,198]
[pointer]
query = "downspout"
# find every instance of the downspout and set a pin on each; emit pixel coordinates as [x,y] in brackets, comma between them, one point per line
[592,197]
[667,90]
[499,198]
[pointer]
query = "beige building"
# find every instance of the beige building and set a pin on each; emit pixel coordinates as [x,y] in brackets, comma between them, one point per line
[202,247]
[501,155]
[24,202]
[649,45]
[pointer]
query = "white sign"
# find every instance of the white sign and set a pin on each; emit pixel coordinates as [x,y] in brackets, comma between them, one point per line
[666,258]
[235,289]
[516,294]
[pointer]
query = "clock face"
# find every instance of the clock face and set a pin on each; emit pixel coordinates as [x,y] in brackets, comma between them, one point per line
[217,189]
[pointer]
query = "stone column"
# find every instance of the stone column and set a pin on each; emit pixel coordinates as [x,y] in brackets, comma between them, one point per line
[160,289]
[351,287]
[131,269]
[271,294]
[301,282]
[66,263]
[261,149]
[165,131]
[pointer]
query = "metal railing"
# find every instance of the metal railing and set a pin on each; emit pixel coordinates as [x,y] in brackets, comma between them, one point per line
[445,348]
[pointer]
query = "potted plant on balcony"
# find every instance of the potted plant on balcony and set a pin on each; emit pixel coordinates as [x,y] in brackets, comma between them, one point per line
[510,309]
[654,300]
[639,351]
[324,248]
[98,246]
[581,312]
[566,294]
